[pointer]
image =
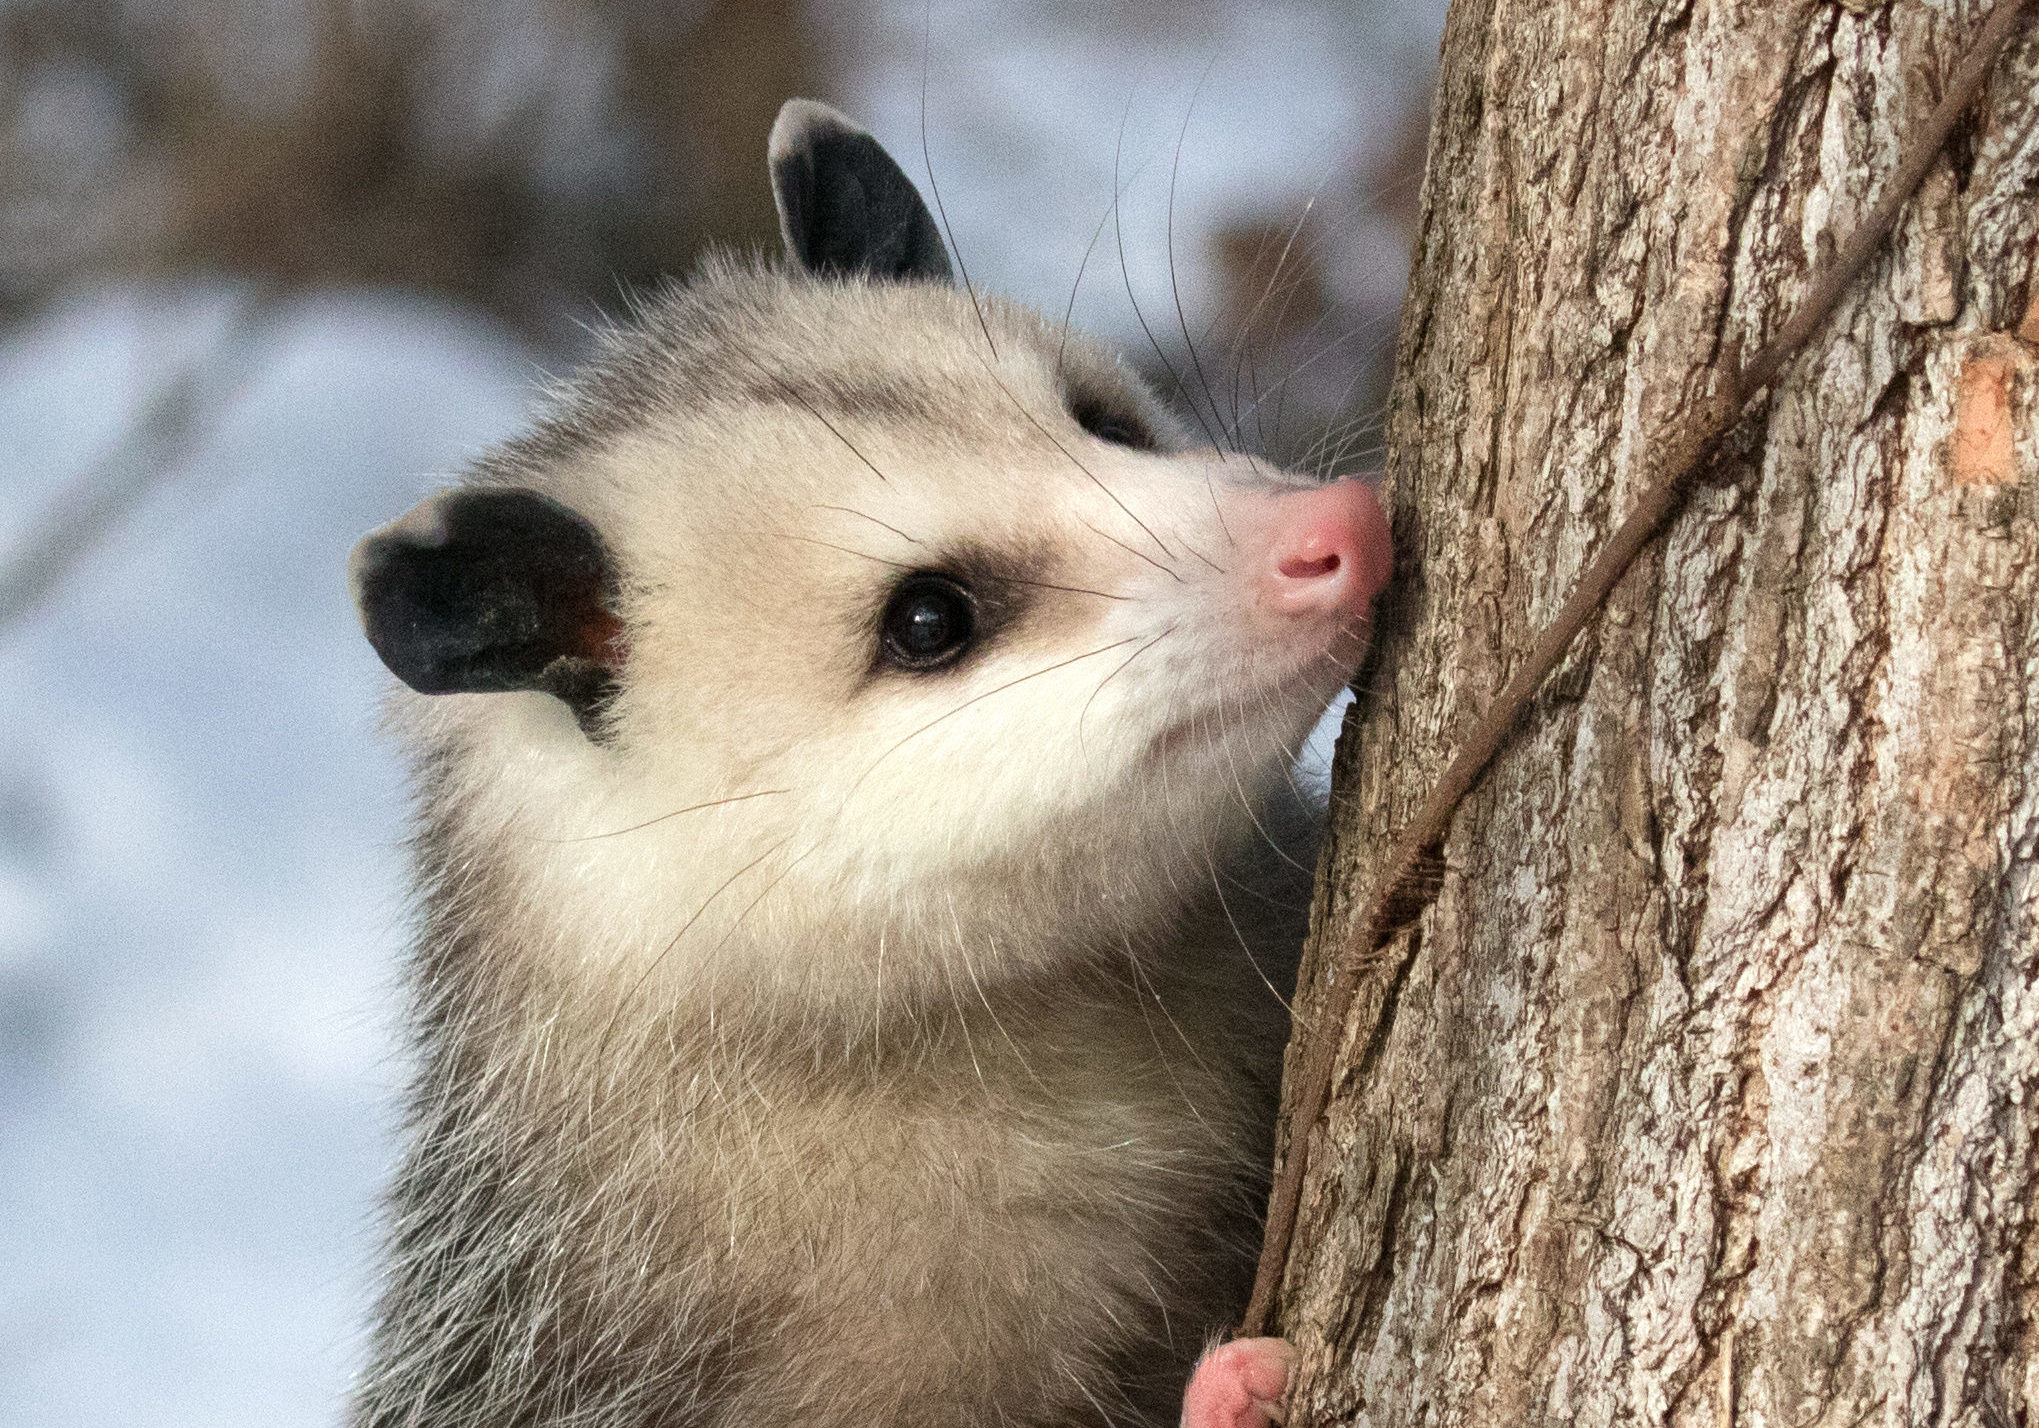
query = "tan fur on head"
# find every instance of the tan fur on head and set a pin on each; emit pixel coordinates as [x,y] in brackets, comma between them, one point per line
[806,1039]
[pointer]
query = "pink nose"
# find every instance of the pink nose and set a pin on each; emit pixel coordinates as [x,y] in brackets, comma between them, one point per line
[1331,551]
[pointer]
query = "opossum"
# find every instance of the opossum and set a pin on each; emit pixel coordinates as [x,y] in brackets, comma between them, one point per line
[858,874]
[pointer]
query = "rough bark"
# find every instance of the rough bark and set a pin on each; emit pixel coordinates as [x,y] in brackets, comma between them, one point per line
[1705,1092]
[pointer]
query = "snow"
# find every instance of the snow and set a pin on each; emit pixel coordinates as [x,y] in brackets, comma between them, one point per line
[199,878]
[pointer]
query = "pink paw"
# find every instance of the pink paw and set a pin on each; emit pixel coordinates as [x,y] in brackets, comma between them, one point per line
[1239,1385]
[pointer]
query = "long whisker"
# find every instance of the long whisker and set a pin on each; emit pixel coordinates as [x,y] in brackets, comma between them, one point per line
[1175,291]
[1240,937]
[926,29]
[1116,672]
[1159,543]
[1242,342]
[908,565]
[1293,751]
[685,928]
[975,698]
[1143,989]
[1132,550]
[777,878]
[1223,745]
[789,392]
[1126,275]
[690,808]
[963,1021]
[861,515]
[1062,349]
[1274,278]
[963,953]
[845,549]
[1212,564]
[1051,585]
[1282,383]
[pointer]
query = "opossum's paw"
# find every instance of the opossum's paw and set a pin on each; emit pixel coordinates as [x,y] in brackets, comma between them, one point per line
[1239,1385]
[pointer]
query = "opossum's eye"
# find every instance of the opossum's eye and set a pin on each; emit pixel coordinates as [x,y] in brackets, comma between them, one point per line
[928,622]
[1107,424]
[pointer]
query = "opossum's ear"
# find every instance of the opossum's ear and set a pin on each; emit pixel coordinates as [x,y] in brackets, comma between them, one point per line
[481,591]
[845,208]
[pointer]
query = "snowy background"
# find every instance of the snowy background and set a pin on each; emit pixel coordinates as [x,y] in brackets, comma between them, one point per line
[201,906]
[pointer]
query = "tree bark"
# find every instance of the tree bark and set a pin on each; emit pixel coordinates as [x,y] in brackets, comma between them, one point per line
[1705,1090]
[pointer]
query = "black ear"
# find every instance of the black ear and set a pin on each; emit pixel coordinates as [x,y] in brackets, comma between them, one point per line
[845,208]
[481,591]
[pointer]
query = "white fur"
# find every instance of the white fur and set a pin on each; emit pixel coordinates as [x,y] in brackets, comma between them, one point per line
[923,1071]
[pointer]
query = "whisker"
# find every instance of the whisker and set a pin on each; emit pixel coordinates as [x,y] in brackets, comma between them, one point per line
[1066,589]
[1359,437]
[1240,937]
[1291,751]
[1281,384]
[1062,349]
[1023,411]
[1130,550]
[685,928]
[907,565]
[1174,287]
[861,515]
[845,549]
[1125,273]
[1246,804]
[792,394]
[1205,558]
[963,953]
[1068,312]
[1340,438]
[1116,672]
[927,24]
[690,808]
[1143,988]
[975,698]
[778,878]
[963,1021]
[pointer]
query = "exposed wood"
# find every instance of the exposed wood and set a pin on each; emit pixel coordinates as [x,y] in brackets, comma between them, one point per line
[1704,1090]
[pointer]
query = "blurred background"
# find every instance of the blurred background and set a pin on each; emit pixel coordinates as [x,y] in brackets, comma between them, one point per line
[269,270]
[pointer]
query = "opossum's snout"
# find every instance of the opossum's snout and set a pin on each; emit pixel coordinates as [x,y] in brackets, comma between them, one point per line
[1309,562]
[1276,625]
[1327,552]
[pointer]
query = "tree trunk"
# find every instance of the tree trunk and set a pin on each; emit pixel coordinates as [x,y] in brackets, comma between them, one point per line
[1705,1091]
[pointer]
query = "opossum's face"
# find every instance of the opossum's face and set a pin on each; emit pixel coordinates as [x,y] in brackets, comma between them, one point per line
[833,622]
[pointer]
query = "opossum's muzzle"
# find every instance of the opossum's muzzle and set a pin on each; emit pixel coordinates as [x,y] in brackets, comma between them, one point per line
[1327,553]
[1290,614]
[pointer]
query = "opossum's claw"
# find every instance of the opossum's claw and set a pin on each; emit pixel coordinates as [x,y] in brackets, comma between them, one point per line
[1239,1385]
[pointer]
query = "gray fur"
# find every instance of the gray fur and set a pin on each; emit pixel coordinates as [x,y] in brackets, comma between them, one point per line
[813,1048]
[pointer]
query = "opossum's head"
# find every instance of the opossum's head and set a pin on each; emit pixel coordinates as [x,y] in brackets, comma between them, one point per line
[837,629]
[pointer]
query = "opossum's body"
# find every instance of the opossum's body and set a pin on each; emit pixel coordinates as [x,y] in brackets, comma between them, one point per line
[858,871]
[1025,1200]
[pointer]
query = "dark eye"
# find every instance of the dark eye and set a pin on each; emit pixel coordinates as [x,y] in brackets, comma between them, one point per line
[928,622]
[1107,424]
